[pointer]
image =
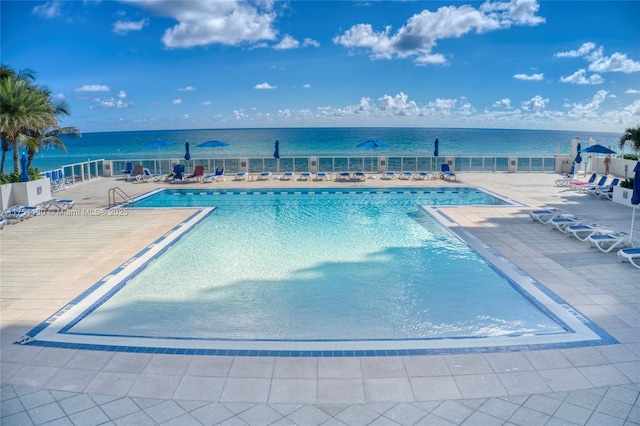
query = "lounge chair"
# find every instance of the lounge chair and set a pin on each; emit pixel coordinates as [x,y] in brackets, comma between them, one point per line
[178,173]
[288,176]
[359,175]
[446,173]
[241,176]
[607,241]
[128,168]
[388,175]
[305,176]
[136,174]
[588,187]
[322,176]
[563,221]
[31,211]
[566,180]
[13,215]
[216,176]
[3,222]
[423,175]
[58,204]
[545,215]
[406,176]
[147,176]
[631,255]
[576,184]
[197,175]
[583,231]
[605,191]
[344,176]
[264,176]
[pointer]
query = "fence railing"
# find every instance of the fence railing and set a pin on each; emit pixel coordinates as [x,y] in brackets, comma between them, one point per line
[349,163]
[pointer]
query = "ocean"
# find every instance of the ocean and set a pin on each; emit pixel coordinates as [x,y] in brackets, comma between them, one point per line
[300,142]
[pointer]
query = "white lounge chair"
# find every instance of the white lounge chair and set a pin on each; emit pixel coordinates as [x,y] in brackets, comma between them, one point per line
[583,231]
[216,176]
[3,222]
[406,176]
[305,176]
[241,176]
[388,175]
[359,175]
[265,176]
[545,215]
[57,204]
[322,176]
[563,221]
[424,175]
[344,176]
[605,242]
[288,176]
[631,255]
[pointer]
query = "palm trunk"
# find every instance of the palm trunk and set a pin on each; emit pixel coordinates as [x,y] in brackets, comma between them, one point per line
[4,157]
[16,159]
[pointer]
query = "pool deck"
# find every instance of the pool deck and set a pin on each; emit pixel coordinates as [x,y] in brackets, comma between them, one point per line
[48,260]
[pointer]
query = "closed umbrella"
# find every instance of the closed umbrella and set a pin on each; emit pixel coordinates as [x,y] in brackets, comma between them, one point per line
[578,160]
[635,197]
[598,149]
[276,155]
[436,143]
[187,154]
[24,173]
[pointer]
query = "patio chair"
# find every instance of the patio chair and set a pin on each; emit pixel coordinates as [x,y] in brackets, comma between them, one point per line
[388,175]
[128,168]
[322,176]
[136,174]
[359,175]
[607,241]
[58,204]
[631,255]
[265,176]
[288,176]
[241,176]
[446,173]
[583,231]
[178,173]
[406,176]
[544,216]
[566,179]
[217,176]
[576,184]
[305,176]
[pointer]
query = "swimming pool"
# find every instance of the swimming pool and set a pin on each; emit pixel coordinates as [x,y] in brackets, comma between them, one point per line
[303,270]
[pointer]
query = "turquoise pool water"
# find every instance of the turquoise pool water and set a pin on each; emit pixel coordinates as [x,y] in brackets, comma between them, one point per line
[323,265]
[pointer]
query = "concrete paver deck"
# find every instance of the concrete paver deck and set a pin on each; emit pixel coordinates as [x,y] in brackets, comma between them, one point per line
[46,261]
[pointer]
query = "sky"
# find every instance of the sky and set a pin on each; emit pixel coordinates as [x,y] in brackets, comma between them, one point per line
[197,64]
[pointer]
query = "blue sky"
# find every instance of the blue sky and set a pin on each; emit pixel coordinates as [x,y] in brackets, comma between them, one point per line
[156,64]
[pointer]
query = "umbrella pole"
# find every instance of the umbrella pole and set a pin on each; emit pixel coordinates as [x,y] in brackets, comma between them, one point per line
[633,216]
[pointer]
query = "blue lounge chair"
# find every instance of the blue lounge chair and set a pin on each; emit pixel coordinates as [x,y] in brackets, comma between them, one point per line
[136,174]
[128,168]
[631,255]
[584,230]
[423,175]
[589,187]
[13,215]
[566,179]
[3,222]
[607,241]
[406,175]
[178,172]
[264,176]
[344,176]
[576,184]
[322,176]
[305,176]
[288,176]
[446,172]
[218,175]
[388,175]
[359,175]
[606,191]
[563,221]
[545,215]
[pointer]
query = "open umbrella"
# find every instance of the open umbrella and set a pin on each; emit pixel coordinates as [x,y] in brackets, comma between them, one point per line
[187,155]
[435,147]
[213,145]
[24,173]
[598,149]
[635,197]
[159,143]
[371,143]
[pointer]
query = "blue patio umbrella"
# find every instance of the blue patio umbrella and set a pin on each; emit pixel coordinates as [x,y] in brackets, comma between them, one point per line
[436,143]
[371,144]
[276,153]
[159,143]
[598,149]
[187,155]
[578,159]
[635,196]
[24,173]
[212,144]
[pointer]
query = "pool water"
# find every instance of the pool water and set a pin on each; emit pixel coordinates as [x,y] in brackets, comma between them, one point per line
[319,266]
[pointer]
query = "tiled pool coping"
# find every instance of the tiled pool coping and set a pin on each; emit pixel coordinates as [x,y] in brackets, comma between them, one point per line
[51,332]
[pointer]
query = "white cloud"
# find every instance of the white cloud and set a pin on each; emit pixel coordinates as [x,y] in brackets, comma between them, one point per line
[187,89]
[286,43]
[537,103]
[398,105]
[580,77]
[123,27]
[207,103]
[588,109]
[532,77]
[177,101]
[202,23]
[48,10]
[122,94]
[418,37]
[92,88]
[264,86]
[598,62]
[113,103]
[311,42]
[632,91]
[503,103]
[307,86]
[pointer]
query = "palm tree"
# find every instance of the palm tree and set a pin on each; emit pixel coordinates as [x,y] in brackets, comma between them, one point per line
[633,136]
[23,106]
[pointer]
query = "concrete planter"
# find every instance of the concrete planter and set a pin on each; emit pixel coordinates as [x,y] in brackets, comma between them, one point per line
[622,195]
